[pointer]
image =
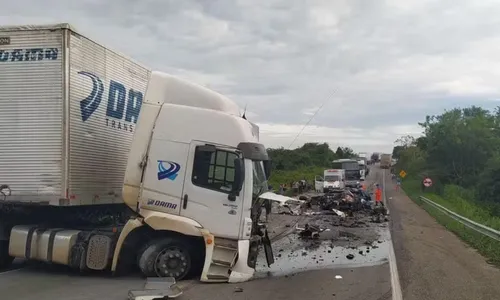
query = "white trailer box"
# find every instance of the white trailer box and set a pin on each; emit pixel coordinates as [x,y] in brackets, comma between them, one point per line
[68,109]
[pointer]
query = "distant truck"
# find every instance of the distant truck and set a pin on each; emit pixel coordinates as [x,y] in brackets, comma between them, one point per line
[385,161]
[106,164]
[363,162]
[352,170]
[363,169]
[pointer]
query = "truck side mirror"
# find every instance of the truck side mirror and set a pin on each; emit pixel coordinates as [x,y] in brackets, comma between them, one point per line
[267,168]
[239,178]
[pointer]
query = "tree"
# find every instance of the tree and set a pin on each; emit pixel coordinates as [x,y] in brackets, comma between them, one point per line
[406,141]
[339,152]
[459,143]
[345,152]
[310,154]
[396,151]
[459,147]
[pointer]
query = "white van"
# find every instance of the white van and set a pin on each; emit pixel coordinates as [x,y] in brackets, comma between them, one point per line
[332,179]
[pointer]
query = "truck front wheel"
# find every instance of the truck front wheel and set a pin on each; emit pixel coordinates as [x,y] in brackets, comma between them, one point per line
[5,259]
[166,257]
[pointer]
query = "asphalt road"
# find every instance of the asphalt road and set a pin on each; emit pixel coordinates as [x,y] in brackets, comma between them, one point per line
[302,271]
[433,262]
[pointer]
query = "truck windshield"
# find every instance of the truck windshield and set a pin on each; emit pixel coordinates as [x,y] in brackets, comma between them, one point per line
[332,178]
[259,178]
[352,175]
[347,165]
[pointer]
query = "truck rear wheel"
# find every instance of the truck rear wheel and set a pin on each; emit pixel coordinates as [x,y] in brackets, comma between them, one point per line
[166,257]
[5,259]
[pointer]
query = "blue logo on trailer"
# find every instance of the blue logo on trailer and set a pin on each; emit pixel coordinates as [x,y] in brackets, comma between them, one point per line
[123,106]
[30,54]
[90,104]
[169,172]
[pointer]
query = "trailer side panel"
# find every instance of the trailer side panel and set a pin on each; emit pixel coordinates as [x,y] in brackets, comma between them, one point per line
[31,110]
[106,93]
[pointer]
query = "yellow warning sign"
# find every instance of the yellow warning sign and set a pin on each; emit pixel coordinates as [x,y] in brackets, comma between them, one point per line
[402,174]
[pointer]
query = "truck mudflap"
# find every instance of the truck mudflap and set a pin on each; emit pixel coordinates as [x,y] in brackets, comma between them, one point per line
[268,249]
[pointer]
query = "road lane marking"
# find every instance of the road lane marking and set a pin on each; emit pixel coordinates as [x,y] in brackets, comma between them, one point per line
[395,285]
[10,271]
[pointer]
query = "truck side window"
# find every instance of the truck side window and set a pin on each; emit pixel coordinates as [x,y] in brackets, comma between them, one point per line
[214,171]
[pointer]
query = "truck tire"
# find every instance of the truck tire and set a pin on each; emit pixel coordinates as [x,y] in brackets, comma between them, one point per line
[5,259]
[166,257]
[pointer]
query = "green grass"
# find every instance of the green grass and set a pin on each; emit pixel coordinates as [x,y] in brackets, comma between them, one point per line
[454,200]
[278,177]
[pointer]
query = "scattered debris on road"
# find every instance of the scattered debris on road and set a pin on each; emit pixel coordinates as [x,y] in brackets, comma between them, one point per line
[326,229]
[310,231]
[156,288]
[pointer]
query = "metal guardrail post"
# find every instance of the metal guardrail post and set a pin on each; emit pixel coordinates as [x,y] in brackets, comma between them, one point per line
[490,232]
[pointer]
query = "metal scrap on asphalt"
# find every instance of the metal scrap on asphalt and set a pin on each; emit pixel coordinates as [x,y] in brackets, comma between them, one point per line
[341,203]
[156,288]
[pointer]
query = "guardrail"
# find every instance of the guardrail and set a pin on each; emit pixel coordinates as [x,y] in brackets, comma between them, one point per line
[485,230]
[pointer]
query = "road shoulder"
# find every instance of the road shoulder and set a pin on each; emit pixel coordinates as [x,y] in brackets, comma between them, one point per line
[433,262]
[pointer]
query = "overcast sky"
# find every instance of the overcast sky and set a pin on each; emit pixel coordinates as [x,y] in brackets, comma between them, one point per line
[377,66]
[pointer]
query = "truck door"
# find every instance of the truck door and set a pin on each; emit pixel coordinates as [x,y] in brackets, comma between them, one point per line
[207,187]
[318,183]
[164,176]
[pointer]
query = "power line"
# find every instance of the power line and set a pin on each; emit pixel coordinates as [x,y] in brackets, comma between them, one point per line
[300,132]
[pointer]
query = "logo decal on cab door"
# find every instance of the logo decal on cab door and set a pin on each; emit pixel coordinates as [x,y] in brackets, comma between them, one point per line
[168,169]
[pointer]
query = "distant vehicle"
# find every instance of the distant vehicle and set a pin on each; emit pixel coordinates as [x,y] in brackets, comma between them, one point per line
[332,179]
[352,170]
[363,169]
[375,157]
[385,161]
[364,162]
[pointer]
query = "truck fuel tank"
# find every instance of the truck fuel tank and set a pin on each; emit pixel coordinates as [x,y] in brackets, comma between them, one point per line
[51,245]
[75,248]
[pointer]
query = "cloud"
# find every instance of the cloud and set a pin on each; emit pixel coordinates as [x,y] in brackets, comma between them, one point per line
[360,139]
[378,67]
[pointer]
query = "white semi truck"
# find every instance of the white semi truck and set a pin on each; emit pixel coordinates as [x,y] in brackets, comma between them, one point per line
[105,164]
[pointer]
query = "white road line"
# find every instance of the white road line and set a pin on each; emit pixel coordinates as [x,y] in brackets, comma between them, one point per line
[10,271]
[397,294]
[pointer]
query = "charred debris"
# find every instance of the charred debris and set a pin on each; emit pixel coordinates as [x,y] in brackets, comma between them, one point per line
[349,207]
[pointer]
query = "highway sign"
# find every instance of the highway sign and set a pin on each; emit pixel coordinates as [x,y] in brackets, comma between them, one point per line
[427,182]
[402,174]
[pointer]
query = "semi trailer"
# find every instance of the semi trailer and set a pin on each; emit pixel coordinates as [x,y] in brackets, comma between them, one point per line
[106,164]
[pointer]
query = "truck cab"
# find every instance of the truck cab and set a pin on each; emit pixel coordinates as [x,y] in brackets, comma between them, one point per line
[191,192]
[195,172]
